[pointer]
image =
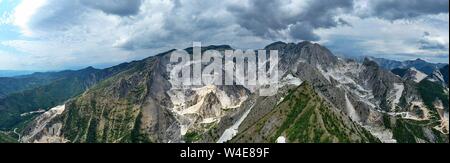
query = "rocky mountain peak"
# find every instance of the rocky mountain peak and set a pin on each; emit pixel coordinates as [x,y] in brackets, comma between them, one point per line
[368,62]
[280,45]
[291,54]
[90,68]
[211,47]
[420,60]
[276,44]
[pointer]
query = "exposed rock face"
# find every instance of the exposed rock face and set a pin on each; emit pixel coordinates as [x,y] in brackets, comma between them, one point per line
[438,77]
[211,107]
[445,73]
[379,81]
[414,75]
[291,54]
[43,131]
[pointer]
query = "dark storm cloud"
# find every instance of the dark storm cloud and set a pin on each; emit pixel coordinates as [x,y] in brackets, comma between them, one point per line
[115,7]
[401,9]
[61,15]
[184,22]
[267,18]
[425,45]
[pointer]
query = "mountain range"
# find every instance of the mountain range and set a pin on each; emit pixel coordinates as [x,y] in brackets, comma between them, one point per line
[321,99]
[419,64]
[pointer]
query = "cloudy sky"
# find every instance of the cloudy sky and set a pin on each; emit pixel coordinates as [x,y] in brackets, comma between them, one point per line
[46,35]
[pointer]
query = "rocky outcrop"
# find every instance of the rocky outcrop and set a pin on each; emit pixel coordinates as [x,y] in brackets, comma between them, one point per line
[414,75]
[379,81]
[445,73]
[291,54]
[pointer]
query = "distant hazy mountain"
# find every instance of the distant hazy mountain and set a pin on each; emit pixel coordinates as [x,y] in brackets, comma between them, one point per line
[15,84]
[419,64]
[439,75]
[11,73]
[321,99]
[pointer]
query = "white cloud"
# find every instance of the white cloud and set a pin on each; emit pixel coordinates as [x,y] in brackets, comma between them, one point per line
[399,39]
[8,61]
[24,13]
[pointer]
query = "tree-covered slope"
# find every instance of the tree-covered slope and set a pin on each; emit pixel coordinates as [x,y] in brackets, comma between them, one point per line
[304,117]
[5,138]
[67,84]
